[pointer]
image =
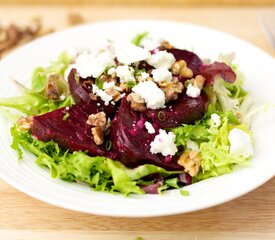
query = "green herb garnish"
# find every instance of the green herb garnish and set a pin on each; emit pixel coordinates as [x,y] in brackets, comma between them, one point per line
[161,116]
[99,83]
[65,117]
[109,145]
[130,84]
[139,37]
[184,193]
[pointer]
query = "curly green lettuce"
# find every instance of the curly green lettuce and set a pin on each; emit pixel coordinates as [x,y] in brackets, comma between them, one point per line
[102,174]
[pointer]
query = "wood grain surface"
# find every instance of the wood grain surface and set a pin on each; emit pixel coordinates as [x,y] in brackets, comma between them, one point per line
[249,217]
[146,2]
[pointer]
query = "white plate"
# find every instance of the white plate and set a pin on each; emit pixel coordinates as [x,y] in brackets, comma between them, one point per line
[27,177]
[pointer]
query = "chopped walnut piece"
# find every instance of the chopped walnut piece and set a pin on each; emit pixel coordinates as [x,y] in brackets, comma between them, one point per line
[98,135]
[116,95]
[180,67]
[191,161]
[137,102]
[51,90]
[97,120]
[166,45]
[25,123]
[75,19]
[13,35]
[171,89]
[106,78]
[198,81]
[56,87]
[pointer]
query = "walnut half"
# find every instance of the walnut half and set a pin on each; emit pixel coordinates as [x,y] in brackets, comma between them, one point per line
[191,161]
[97,120]
[25,123]
[98,135]
[171,89]
[180,67]
[137,102]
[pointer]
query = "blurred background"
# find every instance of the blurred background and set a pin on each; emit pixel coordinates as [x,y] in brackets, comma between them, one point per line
[24,20]
[147,2]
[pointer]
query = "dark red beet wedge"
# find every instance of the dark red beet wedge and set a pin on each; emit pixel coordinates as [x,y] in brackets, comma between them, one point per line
[184,110]
[131,141]
[81,95]
[192,60]
[70,133]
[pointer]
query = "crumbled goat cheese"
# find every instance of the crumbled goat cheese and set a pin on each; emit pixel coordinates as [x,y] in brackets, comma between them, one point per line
[192,145]
[216,119]
[125,74]
[143,76]
[162,75]
[88,65]
[150,43]
[154,97]
[107,85]
[161,59]
[111,71]
[128,53]
[164,143]
[240,143]
[106,98]
[193,91]
[62,97]
[149,127]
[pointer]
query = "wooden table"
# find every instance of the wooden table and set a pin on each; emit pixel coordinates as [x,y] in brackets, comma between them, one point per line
[249,217]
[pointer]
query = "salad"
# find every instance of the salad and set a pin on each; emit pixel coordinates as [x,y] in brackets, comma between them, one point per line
[135,117]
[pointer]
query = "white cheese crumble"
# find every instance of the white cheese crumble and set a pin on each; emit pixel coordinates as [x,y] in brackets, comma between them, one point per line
[193,91]
[125,74]
[128,53]
[161,59]
[106,98]
[88,65]
[152,94]
[107,85]
[162,75]
[149,127]
[143,76]
[150,43]
[240,143]
[216,119]
[192,145]
[111,71]
[164,143]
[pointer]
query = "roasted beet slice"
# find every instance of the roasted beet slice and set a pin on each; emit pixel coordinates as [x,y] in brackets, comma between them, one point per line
[81,95]
[184,110]
[192,60]
[70,133]
[210,71]
[131,141]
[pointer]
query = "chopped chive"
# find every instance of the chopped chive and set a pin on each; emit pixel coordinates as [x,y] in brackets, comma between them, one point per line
[65,117]
[76,77]
[130,84]
[139,37]
[99,83]
[161,116]
[109,145]
[184,193]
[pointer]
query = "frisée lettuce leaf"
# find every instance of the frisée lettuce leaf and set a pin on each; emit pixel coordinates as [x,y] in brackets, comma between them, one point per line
[214,146]
[33,101]
[103,174]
